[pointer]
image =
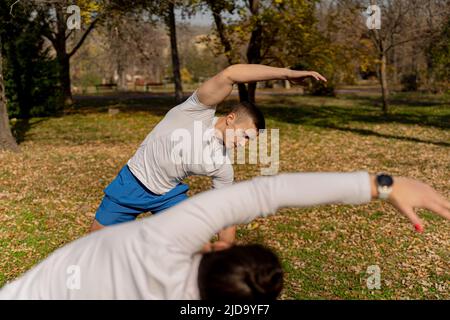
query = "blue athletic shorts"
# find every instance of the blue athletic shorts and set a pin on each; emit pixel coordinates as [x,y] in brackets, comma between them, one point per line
[126,197]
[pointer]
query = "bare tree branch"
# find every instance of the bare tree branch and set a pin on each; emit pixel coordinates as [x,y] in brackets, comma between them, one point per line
[84,36]
[69,34]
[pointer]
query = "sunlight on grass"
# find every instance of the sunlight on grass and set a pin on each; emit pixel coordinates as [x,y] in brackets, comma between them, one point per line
[50,191]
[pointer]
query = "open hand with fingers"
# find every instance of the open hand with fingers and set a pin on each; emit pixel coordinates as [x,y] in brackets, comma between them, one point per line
[297,76]
[409,194]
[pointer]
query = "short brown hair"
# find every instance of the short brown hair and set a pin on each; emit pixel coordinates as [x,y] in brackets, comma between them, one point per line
[248,109]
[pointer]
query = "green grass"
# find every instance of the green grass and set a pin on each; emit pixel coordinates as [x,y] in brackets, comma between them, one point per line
[49,192]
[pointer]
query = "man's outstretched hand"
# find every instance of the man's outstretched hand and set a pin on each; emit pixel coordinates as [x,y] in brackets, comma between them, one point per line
[409,194]
[297,76]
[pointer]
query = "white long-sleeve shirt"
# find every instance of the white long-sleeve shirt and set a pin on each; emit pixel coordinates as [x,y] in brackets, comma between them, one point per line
[157,257]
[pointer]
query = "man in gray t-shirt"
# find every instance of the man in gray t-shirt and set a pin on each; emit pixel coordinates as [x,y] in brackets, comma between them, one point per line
[190,140]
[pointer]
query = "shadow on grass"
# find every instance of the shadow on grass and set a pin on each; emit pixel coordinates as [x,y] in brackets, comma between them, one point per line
[22,126]
[156,104]
[366,132]
[364,109]
[400,99]
[310,115]
[340,118]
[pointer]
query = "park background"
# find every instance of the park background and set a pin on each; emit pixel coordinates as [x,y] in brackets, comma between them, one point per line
[76,103]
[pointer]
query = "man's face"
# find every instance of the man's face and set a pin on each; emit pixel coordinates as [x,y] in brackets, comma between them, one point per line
[239,130]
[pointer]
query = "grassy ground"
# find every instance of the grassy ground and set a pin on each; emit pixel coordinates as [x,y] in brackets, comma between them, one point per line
[49,192]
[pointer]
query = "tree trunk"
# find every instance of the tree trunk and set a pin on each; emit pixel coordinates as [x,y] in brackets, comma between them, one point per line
[216,9]
[415,67]
[174,52]
[122,79]
[430,77]
[394,62]
[254,46]
[64,78]
[58,40]
[63,57]
[7,141]
[384,84]
[252,92]
[243,92]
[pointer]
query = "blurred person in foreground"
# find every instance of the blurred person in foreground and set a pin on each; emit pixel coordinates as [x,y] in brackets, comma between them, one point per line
[163,256]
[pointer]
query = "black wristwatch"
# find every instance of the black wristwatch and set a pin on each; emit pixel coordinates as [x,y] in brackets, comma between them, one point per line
[384,185]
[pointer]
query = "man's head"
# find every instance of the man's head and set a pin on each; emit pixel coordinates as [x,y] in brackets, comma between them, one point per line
[244,273]
[241,124]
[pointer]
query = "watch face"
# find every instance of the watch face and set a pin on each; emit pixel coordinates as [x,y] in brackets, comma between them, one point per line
[384,180]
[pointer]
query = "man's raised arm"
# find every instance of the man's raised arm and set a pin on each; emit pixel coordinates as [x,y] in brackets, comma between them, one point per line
[216,89]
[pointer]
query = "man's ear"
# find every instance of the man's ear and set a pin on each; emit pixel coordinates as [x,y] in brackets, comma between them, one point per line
[231,118]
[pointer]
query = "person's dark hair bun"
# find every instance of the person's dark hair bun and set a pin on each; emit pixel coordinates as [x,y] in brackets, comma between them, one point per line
[250,273]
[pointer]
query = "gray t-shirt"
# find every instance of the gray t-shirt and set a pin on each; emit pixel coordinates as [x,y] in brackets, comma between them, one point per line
[157,257]
[182,144]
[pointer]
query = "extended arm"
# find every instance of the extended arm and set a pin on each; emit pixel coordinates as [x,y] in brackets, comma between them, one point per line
[195,221]
[216,89]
